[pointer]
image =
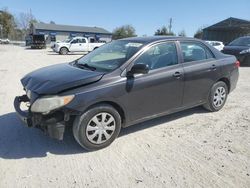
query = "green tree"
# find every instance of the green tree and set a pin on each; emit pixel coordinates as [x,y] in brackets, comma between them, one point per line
[163,31]
[124,31]
[7,22]
[198,34]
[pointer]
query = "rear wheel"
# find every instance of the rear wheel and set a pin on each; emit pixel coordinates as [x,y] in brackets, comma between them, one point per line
[246,62]
[97,128]
[63,51]
[217,97]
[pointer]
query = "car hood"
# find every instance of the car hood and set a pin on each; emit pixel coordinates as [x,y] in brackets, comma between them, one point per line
[56,78]
[62,43]
[234,50]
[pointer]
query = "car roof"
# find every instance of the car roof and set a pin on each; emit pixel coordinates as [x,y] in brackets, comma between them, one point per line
[244,37]
[213,41]
[147,40]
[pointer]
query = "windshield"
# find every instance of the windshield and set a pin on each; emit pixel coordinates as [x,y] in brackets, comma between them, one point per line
[109,56]
[67,40]
[240,42]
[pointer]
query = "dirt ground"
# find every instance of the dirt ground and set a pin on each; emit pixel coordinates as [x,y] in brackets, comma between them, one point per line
[193,148]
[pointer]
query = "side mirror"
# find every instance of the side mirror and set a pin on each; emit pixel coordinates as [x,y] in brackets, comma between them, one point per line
[138,69]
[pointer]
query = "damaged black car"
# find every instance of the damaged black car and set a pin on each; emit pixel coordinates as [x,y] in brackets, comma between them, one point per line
[123,83]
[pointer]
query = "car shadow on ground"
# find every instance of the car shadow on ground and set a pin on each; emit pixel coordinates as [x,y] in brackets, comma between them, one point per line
[34,49]
[18,141]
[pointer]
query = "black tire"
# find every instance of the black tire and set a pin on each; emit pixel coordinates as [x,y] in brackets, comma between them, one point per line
[82,121]
[212,103]
[246,62]
[63,51]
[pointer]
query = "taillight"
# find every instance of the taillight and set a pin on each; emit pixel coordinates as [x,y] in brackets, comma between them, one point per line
[237,64]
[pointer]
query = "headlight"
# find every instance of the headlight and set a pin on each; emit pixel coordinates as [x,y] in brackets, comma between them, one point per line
[46,104]
[245,51]
[28,93]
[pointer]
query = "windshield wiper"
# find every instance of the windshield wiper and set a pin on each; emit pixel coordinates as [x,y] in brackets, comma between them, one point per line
[85,66]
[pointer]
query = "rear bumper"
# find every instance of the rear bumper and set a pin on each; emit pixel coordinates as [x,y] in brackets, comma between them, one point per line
[234,79]
[56,49]
[244,59]
[52,124]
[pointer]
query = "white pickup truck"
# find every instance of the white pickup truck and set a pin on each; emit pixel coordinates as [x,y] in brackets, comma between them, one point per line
[76,44]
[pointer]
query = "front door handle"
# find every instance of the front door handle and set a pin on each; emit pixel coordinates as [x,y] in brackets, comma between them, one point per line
[213,67]
[177,74]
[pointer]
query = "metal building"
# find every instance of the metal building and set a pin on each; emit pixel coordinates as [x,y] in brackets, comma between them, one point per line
[55,32]
[227,30]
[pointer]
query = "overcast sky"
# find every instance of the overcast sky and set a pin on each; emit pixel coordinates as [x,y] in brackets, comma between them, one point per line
[145,16]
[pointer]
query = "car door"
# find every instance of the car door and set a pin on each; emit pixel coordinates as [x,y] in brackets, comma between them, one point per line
[201,70]
[78,45]
[83,45]
[74,45]
[161,89]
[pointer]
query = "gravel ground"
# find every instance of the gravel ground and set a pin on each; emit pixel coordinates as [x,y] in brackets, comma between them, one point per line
[193,148]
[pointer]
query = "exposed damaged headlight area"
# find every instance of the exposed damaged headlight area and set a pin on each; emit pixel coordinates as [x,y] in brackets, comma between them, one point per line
[46,104]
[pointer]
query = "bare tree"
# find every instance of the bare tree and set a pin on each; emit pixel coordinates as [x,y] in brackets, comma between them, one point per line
[25,19]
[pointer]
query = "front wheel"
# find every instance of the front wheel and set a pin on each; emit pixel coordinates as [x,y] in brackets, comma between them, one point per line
[217,97]
[63,51]
[98,127]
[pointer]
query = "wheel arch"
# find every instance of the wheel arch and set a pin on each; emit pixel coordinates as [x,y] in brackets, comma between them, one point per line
[227,82]
[115,105]
[64,47]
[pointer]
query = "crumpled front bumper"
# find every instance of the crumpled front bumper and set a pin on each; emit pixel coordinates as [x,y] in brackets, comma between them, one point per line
[23,115]
[52,124]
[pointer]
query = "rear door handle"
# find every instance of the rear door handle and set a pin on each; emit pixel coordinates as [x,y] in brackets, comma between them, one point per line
[177,74]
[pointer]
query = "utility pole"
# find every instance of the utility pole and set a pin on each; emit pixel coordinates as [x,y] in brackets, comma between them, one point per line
[170,25]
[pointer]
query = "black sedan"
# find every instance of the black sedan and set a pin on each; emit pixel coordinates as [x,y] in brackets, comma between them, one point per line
[123,83]
[240,48]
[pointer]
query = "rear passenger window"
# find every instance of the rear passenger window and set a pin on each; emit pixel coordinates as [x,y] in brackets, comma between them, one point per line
[92,40]
[195,52]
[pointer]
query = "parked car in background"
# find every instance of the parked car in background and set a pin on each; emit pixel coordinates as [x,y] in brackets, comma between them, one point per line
[4,41]
[217,44]
[76,44]
[38,41]
[123,83]
[240,48]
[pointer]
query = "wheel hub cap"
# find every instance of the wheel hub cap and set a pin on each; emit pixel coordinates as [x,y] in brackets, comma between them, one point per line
[100,128]
[219,96]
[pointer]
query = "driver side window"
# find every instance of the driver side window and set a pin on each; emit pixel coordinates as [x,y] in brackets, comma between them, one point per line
[159,56]
[74,41]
